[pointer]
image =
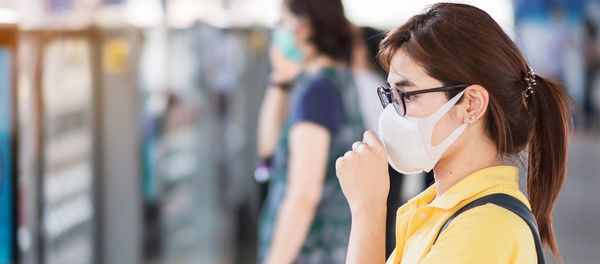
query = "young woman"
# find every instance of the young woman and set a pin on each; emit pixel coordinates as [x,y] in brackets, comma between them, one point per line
[305,218]
[461,100]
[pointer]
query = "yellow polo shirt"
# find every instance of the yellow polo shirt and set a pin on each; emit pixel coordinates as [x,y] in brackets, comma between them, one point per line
[485,234]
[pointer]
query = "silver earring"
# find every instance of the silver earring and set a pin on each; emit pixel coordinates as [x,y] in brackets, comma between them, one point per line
[472,118]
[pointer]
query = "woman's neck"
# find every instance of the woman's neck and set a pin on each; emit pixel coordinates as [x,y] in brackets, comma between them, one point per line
[319,62]
[475,155]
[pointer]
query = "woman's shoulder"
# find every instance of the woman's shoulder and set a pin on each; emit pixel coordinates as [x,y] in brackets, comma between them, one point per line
[319,82]
[491,231]
[318,101]
[318,91]
[493,219]
[323,79]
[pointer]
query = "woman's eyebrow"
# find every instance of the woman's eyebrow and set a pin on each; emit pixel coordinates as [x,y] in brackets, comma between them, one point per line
[404,83]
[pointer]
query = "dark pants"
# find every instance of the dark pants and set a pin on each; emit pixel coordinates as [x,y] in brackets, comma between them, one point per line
[393,203]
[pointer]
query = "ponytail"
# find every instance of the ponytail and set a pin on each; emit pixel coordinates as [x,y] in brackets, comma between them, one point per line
[549,107]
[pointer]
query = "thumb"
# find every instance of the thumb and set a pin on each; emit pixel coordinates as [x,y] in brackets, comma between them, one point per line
[371,139]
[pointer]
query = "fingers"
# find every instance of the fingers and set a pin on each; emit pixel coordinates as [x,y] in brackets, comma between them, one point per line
[371,139]
[357,149]
[348,154]
[339,163]
[275,54]
[357,146]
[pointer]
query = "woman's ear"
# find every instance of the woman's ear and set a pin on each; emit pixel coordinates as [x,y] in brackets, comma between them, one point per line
[476,98]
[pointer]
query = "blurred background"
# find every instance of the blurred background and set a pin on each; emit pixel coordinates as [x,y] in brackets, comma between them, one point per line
[128,127]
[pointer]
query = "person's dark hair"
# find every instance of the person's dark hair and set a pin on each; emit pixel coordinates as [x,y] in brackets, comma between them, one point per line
[331,31]
[456,44]
[373,37]
[590,28]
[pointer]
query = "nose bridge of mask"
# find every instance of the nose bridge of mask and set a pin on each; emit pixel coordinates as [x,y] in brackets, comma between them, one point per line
[427,124]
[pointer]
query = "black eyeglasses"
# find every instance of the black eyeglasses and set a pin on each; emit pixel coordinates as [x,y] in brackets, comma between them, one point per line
[393,95]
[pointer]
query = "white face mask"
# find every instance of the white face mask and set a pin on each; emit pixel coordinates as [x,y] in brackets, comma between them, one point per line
[407,140]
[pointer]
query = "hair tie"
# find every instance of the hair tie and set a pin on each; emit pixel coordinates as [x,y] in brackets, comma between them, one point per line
[531,82]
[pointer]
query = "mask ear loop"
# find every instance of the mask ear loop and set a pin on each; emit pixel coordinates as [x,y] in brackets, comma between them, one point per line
[438,114]
[434,119]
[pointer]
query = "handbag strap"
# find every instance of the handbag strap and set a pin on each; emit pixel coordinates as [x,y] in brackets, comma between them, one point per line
[510,203]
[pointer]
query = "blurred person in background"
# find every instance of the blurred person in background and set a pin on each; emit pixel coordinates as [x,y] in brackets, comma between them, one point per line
[309,116]
[592,65]
[368,74]
[463,101]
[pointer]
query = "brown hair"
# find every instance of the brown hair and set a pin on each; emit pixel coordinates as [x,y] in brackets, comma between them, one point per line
[331,31]
[457,44]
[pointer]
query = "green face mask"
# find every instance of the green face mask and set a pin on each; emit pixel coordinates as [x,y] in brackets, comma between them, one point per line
[285,41]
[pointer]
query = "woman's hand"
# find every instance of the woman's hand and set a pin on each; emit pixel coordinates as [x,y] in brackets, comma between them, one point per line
[284,70]
[363,173]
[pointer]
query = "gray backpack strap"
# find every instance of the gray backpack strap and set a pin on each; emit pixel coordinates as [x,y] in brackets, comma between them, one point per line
[510,203]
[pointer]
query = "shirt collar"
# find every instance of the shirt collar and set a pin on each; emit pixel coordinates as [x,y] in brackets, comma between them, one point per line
[468,187]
